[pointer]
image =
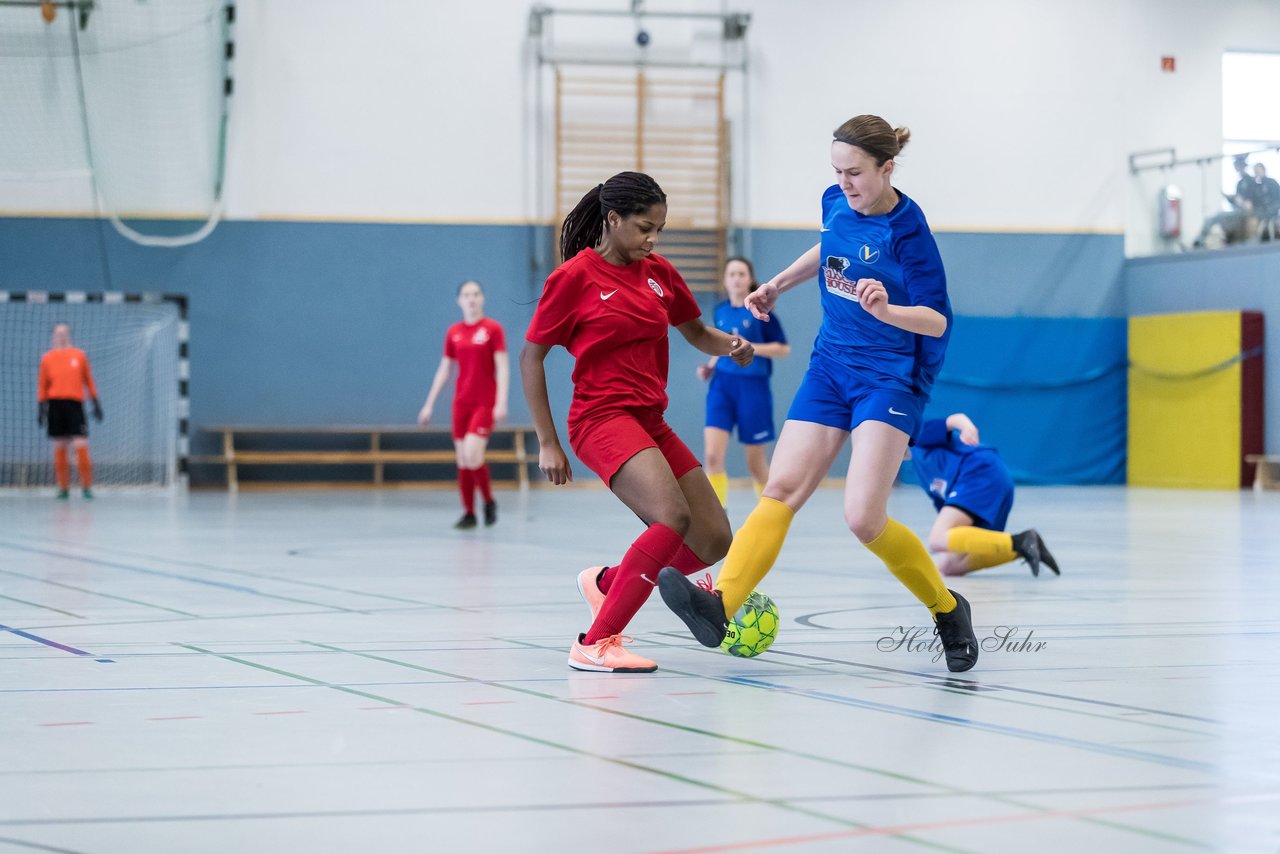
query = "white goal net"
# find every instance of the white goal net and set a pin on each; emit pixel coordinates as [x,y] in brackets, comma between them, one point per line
[136,351]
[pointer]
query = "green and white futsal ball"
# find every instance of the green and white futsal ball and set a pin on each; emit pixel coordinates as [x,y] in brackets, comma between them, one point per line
[753,629]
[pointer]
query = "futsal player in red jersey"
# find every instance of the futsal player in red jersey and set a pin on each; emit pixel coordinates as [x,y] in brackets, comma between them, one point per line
[64,377]
[478,346]
[609,304]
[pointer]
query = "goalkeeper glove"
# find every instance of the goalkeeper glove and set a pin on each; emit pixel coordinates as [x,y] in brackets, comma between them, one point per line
[44,413]
[97,410]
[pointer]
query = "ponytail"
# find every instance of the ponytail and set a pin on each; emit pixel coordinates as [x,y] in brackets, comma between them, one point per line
[584,226]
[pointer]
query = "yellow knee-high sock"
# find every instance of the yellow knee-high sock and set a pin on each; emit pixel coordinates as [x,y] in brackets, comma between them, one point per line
[907,558]
[720,483]
[755,548]
[984,548]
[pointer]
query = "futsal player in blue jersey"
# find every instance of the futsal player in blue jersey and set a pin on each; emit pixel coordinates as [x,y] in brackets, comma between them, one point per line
[740,395]
[885,323]
[972,490]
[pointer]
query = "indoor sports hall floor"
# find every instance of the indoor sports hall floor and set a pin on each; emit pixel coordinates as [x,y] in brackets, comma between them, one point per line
[332,672]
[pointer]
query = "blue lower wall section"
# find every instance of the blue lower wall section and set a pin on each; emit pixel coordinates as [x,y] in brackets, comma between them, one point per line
[326,323]
[1050,393]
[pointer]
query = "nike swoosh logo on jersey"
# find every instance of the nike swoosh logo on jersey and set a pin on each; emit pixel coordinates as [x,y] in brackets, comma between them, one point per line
[603,295]
[648,579]
[893,411]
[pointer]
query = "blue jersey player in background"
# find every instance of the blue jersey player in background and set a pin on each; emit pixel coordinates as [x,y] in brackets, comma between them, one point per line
[972,490]
[739,395]
[885,322]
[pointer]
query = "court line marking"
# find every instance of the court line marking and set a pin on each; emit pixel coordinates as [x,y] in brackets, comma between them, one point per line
[95,593]
[964,687]
[54,644]
[568,748]
[186,618]
[45,607]
[1011,688]
[842,763]
[950,824]
[826,760]
[173,576]
[37,846]
[277,578]
[982,726]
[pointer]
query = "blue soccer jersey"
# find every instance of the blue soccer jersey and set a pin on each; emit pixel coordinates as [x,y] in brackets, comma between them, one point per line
[898,249]
[971,477]
[740,322]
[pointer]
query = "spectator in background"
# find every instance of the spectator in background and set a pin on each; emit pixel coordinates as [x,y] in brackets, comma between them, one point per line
[1266,198]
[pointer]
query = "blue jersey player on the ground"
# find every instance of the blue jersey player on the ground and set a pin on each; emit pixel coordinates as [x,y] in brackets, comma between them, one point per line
[885,323]
[972,490]
[740,395]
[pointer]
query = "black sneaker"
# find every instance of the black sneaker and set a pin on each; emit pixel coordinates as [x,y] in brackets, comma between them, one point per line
[88,493]
[467,522]
[701,610]
[955,630]
[490,513]
[64,494]
[1031,548]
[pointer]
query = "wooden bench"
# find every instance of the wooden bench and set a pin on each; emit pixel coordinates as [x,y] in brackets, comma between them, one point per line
[375,455]
[1266,474]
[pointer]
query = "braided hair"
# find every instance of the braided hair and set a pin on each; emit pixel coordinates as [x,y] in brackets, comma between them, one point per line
[628,193]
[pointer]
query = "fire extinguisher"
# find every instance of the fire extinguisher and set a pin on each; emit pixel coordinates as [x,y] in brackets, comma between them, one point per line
[1170,212]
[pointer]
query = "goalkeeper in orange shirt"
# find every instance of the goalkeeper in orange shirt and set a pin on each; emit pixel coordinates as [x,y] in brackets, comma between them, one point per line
[64,378]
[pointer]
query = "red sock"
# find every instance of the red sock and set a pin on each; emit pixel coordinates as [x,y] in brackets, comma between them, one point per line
[685,562]
[61,467]
[482,481]
[85,464]
[636,577]
[467,489]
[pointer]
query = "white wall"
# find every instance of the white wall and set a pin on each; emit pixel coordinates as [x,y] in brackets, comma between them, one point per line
[1023,112]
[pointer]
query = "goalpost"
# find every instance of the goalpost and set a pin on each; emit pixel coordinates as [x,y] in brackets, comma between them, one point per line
[136,345]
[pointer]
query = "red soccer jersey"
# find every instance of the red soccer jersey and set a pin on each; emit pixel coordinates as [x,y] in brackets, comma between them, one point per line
[614,321]
[64,375]
[472,346]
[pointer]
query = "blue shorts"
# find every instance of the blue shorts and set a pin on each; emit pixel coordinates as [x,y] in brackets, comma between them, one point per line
[983,488]
[744,401]
[837,397]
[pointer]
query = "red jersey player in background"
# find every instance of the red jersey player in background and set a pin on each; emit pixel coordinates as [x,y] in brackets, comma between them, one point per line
[64,376]
[478,346]
[609,304]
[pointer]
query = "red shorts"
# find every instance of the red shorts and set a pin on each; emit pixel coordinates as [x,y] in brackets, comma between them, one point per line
[472,418]
[607,440]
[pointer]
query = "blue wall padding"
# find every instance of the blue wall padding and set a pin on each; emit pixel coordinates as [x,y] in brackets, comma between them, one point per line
[1050,393]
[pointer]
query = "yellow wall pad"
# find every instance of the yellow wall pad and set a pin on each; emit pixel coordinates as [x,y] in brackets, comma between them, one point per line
[1187,401]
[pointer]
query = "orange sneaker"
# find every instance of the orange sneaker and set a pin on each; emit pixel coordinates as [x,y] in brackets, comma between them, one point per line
[590,589]
[608,656]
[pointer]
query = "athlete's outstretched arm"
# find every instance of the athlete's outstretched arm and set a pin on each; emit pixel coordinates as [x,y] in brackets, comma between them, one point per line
[801,270]
[919,319]
[442,377]
[713,342]
[502,373]
[552,459]
[773,350]
[963,423]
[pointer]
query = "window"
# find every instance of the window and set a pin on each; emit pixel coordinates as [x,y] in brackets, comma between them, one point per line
[1250,117]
